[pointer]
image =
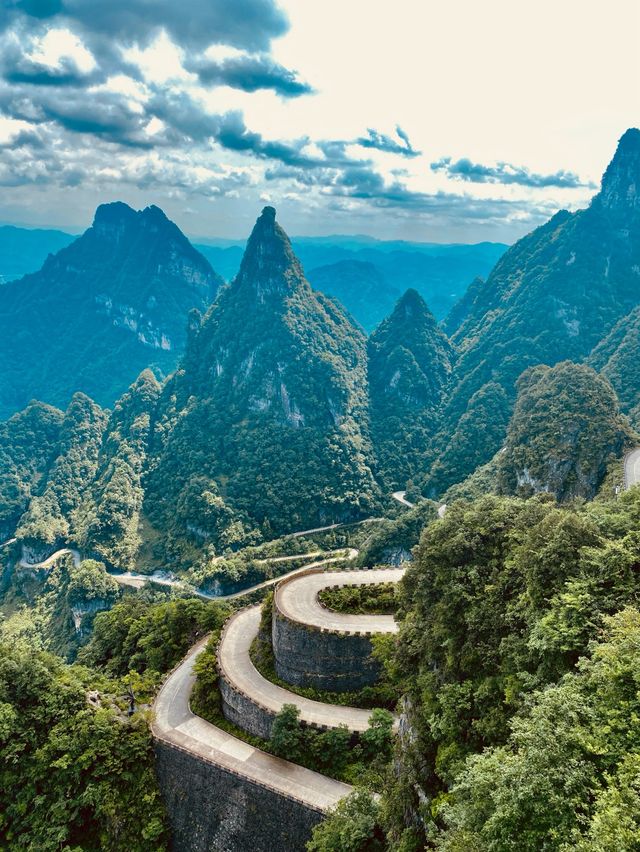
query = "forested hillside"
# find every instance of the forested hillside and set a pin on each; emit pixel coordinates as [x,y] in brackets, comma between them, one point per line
[409,369]
[553,296]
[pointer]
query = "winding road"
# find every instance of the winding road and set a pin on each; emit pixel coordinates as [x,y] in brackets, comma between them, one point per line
[51,559]
[135,580]
[298,600]
[632,469]
[175,724]
[239,671]
[401,498]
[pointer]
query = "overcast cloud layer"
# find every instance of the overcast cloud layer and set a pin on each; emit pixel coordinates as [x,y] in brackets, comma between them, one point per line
[349,117]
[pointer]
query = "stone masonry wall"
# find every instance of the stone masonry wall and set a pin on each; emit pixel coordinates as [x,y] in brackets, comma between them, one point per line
[212,809]
[307,656]
[242,711]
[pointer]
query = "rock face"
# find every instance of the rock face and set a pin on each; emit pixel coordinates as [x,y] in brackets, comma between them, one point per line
[265,420]
[101,310]
[554,294]
[409,368]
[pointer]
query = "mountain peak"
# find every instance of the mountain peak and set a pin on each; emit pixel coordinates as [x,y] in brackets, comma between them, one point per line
[114,213]
[621,181]
[269,265]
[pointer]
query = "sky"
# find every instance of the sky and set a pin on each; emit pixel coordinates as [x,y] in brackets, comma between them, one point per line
[452,121]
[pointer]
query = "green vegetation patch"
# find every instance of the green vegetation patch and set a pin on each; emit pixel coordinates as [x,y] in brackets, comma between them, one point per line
[376,599]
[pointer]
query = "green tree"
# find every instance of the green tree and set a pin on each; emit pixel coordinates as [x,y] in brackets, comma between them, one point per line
[350,827]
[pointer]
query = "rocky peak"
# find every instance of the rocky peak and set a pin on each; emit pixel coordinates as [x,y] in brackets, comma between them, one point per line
[621,181]
[113,218]
[269,266]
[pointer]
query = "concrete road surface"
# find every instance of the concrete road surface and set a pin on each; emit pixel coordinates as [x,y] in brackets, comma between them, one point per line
[239,671]
[176,724]
[632,469]
[298,600]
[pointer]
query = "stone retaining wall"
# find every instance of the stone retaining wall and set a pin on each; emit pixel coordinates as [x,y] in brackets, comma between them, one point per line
[309,656]
[242,711]
[212,809]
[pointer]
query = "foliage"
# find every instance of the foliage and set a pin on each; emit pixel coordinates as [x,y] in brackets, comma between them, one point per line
[503,599]
[350,827]
[409,366]
[569,776]
[565,429]
[73,774]
[140,636]
[375,599]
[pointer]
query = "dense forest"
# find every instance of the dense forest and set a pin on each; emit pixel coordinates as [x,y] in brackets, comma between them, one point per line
[485,452]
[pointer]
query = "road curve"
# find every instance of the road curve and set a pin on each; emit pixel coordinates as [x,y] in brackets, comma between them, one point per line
[632,468]
[174,723]
[239,672]
[400,497]
[50,559]
[297,599]
[137,581]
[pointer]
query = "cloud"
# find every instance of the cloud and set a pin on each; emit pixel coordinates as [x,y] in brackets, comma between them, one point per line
[250,73]
[382,142]
[247,24]
[504,173]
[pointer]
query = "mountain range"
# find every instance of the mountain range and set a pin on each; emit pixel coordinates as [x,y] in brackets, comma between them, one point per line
[282,415]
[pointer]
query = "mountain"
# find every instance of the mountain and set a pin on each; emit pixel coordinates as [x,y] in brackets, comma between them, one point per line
[24,250]
[565,430]
[264,425]
[49,520]
[101,310]
[358,285]
[409,368]
[617,357]
[439,272]
[554,295]
[109,520]
[28,446]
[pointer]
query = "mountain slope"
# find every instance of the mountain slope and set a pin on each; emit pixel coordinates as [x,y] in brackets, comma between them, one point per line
[409,368]
[555,294]
[617,357]
[101,310]
[49,519]
[566,427]
[264,423]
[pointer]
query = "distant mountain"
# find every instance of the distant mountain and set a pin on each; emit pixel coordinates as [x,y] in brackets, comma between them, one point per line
[101,310]
[24,250]
[264,426]
[553,296]
[439,272]
[358,285]
[409,369]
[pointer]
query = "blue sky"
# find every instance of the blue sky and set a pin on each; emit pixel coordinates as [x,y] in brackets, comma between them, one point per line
[457,121]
